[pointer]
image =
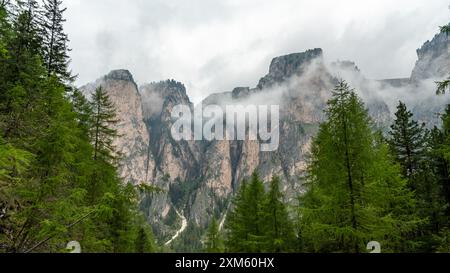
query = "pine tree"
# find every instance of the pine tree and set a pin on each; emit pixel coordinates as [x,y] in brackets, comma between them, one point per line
[407,141]
[355,192]
[55,40]
[214,242]
[279,231]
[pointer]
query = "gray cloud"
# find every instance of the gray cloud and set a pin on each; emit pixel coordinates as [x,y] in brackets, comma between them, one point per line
[214,45]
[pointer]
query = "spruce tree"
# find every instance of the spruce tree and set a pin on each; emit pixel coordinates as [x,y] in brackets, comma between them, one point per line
[407,141]
[414,147]
[440,151]
[279,231]
[83,109]
[143,243]
[254,215]
[55,42]
[27,26]
[236,221]
[214,242]
[245,223]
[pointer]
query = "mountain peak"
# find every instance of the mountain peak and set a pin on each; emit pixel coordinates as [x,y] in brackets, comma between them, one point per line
[284,67]
[433,59]
[120,75]
[166,88]
[294,60]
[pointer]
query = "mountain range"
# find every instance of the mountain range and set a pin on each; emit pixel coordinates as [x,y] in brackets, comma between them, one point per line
[199,178]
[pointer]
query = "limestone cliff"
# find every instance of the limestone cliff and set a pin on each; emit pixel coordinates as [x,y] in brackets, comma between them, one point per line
[200,177]
[134,137]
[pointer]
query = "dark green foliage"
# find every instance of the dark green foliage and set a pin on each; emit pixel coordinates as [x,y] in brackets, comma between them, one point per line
[407,141]
[55,41]
[190,241]
[417,150]
[245,221]
[144,242]
[259,221]
[172,217]
[278,227]
[214,242]
[103,134]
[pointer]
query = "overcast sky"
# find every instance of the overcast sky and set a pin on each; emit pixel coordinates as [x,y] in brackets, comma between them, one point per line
[213,46]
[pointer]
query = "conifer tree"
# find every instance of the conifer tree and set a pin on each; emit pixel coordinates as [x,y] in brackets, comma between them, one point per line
[27,26]
[47,162]
[355,192]
[441,157]
[235,223]
[279,231]
[414,148]
[55,40]
[143,243]
[407,141]
[245,223]
[254,216]
[214,242]
[83,109]
[103,133]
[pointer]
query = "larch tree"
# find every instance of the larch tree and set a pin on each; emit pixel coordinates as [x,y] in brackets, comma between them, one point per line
[355,191]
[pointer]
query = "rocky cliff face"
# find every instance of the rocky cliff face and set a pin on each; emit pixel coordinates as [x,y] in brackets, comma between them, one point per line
[134,137]
[199,177]
[433,59]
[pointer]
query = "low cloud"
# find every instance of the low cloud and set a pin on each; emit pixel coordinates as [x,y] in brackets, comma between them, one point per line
[212,46]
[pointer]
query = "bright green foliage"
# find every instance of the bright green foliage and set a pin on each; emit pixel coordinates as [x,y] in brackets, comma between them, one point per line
[356,193]
[56,186]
